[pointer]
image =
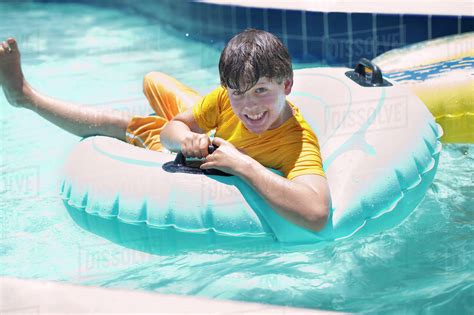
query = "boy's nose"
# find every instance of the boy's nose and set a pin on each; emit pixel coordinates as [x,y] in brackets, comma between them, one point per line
[249,101]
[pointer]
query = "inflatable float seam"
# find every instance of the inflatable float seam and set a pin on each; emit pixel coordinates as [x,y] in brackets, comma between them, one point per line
[394,205]
[206,230]
[403,191]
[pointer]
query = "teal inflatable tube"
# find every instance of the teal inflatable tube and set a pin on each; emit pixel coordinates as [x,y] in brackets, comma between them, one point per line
[380,147]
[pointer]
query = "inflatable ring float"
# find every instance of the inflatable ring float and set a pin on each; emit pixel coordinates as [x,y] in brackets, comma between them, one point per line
[440,72]
[380,146]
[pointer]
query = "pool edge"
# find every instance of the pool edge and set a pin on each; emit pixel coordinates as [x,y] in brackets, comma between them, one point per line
[40,297]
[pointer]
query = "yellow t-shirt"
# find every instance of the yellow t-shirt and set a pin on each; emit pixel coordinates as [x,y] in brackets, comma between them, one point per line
[292,148]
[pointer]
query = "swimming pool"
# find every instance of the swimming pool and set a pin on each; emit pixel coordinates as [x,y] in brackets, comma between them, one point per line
[99,57]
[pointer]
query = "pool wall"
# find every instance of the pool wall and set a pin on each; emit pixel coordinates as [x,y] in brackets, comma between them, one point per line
[332,38]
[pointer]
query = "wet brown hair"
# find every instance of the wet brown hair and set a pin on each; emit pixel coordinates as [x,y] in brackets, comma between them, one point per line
[253,54]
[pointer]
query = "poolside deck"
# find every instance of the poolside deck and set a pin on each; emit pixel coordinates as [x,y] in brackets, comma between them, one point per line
[20,296]
[424,7]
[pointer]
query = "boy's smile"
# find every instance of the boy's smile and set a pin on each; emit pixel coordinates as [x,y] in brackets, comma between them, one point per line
[264,106]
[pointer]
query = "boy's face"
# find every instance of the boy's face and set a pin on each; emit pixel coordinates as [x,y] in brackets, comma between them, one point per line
[263,107]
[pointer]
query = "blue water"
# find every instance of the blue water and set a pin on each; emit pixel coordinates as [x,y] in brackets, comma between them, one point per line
[98,57]
[425,72]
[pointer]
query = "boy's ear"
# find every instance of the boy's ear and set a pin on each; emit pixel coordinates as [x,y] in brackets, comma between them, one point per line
[288,84]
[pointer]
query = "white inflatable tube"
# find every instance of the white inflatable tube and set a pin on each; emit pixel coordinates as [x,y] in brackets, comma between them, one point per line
[380,147]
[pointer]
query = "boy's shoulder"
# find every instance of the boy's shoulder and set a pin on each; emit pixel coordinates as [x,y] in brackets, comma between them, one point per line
[219,94]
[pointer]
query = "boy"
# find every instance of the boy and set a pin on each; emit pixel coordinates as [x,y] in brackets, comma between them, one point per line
[256,127]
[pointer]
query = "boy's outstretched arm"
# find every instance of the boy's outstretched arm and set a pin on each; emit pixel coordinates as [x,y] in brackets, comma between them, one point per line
[183,134]
[305,200]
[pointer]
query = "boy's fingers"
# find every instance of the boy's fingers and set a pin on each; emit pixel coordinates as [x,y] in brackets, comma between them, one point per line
[204,146]
[195,148]
[205,166]
[218,141]
[183,149]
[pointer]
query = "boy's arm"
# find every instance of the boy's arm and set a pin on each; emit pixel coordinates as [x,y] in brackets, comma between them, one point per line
[304,200]
[183,129]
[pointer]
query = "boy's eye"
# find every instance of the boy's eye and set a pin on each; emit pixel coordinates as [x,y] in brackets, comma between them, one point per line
[260,90]
[237,93]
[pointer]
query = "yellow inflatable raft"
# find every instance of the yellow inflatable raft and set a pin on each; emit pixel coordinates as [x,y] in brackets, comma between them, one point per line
[440,72]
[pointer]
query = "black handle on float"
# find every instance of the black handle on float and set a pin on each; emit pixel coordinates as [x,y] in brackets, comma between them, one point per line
[179,165]
[367,74]
[180,159]
[376,73]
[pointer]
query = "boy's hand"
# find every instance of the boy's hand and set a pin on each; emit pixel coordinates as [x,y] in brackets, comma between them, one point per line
[195,145]
[227,158]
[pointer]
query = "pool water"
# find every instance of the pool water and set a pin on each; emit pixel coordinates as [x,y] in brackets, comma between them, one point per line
[98,56]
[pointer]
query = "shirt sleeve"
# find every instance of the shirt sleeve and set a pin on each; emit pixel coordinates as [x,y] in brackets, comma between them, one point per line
[206,112]
[306,158]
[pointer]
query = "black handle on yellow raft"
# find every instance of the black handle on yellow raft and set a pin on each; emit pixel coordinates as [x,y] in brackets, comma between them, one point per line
[180,165]
[367,74]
